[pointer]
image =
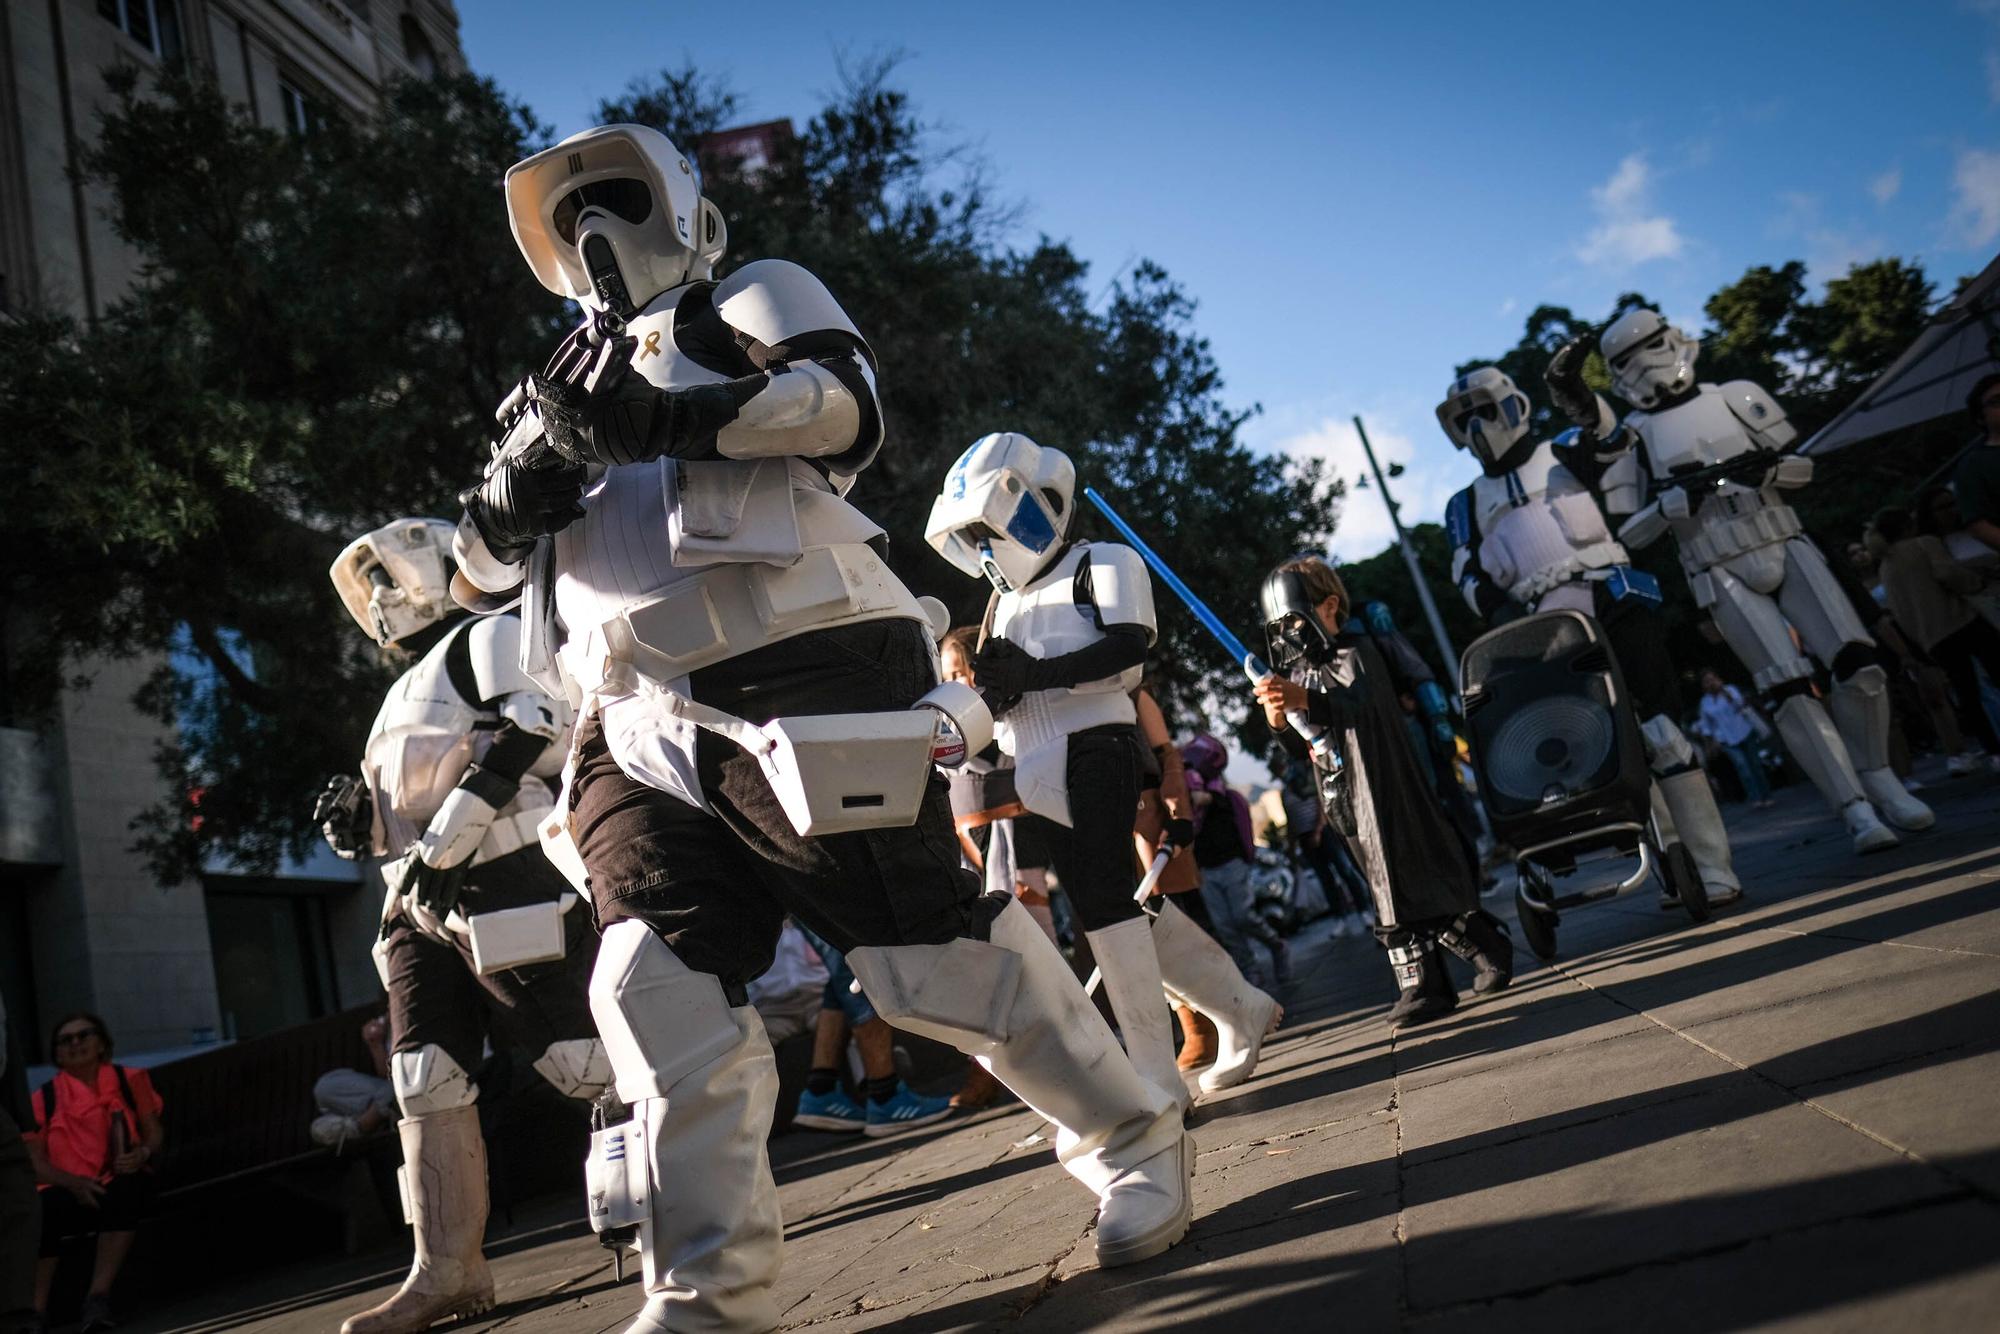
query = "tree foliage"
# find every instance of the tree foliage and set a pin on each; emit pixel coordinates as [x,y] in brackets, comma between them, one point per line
[324,324]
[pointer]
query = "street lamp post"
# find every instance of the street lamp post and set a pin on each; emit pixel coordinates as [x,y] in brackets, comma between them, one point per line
[1410,559]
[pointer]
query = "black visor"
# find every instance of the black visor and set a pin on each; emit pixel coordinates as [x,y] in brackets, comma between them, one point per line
[628,198]
[1291,623]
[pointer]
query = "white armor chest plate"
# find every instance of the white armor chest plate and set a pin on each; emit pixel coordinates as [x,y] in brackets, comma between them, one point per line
[1044,619]
[420,746]
[1693,434]
[1728,523]
[1539,527]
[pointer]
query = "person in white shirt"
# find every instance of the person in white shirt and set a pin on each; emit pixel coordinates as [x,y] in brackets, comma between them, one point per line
[1729,721]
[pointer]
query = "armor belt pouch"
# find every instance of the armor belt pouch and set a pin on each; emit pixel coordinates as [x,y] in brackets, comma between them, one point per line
[516,937]
[614,1176]
[836,772]
[731,511]
[1730,538]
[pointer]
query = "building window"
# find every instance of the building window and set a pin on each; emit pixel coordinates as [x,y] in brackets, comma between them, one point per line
[153,24]
[303,113]
[273,954]
[417,49]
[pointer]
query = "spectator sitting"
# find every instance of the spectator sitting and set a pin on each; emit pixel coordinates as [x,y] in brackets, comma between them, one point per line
[1734,726]
[892,1106]
[1927,592]
[354,1103]
[98,1130]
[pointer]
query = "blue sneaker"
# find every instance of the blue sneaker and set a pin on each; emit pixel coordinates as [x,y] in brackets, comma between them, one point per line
[905,1111]
[831,1111]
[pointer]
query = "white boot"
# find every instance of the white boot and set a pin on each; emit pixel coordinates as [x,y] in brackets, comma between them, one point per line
[1131,969]
[1014,1004]
[1698,825]
[1810,736]
[444,1158]
[701,1076]
[1200,974]
[1860,709]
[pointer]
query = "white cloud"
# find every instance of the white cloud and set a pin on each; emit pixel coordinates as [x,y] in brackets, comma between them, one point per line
[1886,186]
[1509,306]
[1629,230]
[1433,471]
[1975,212]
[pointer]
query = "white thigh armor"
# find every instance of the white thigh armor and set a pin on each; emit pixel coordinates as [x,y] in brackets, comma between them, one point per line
[1061,612]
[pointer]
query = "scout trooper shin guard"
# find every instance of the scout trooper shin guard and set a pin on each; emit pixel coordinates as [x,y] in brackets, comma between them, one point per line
[1813,742]
[700,1075]
[1860,708]
[444,1171]
[1126,955]
[1200,975]
[1692,817]
[1013,1003]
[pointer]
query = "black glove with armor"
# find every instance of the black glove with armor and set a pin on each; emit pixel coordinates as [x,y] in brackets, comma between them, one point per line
[524,500]
[1177,835]
[618,416]
[345,814]
[1568,392]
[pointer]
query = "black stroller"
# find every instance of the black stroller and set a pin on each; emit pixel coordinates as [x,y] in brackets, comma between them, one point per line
[1562,766]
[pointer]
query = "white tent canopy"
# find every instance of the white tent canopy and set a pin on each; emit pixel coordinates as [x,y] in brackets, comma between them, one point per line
[1933,376]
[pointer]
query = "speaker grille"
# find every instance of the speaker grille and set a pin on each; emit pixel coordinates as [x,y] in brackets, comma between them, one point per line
[1563,741]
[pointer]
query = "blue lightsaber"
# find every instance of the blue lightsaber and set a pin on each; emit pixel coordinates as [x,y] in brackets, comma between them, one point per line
[1253,666]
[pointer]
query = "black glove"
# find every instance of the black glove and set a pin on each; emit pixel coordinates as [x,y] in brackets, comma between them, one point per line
[621,418]
[1178,834]
[433,889]
[1574,399]
[1003,670]
[345,814]
[523,501]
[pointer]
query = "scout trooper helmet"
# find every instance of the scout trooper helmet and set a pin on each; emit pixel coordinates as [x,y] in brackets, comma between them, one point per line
[613,217]
[1649,359]
[1484,413]
[1004,509]
[396,580]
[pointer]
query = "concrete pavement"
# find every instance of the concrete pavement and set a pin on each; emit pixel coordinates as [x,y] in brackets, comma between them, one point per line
[1787,1117]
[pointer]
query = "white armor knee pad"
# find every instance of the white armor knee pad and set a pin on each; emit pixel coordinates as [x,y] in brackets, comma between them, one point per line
[660,1020]
[428,1080]
[1860,709]
[950,991]
[1667,748]
[577,1068]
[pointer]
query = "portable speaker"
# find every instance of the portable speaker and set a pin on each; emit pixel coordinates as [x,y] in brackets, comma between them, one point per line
[1552,731]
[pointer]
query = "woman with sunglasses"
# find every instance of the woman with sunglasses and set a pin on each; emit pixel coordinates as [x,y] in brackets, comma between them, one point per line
[97,1132]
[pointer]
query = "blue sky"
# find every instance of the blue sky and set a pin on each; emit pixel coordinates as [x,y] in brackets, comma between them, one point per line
[1360,196]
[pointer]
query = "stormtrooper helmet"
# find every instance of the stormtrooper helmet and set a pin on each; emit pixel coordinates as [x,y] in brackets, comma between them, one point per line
[1649,359]
[1004,509]
[396,580]
[612,217]
[1484,413]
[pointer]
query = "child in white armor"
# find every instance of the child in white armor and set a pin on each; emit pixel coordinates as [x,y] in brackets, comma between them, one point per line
[1708,464]
[475,926]
[1528,536]
[1067,634]
[692,572]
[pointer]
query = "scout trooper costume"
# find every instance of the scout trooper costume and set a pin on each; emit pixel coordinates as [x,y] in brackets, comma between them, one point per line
[1066,640]
[703,559]
[1529,533]
[453,785]
[1746,556]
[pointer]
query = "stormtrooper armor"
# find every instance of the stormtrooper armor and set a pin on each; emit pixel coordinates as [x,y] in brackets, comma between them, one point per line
[1528,533]
[1706,462]
[453,780]
[694,554]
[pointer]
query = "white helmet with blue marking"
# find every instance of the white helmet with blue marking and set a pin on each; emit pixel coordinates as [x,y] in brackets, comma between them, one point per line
[1483,412]
[1004,509]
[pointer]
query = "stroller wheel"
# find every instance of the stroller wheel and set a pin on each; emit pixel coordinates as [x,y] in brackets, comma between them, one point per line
[1687,882]
[1538,927]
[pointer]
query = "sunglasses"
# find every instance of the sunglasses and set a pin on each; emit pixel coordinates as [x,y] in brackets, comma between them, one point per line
[77,1035]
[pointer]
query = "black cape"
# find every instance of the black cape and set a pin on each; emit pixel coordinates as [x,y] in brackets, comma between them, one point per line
[1417,865]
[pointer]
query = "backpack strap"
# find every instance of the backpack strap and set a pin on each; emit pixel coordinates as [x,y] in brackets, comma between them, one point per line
[125,1092]
[48,1092]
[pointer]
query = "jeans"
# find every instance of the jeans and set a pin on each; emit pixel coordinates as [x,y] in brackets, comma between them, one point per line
[840,993]
[1749,769]
[1225,892]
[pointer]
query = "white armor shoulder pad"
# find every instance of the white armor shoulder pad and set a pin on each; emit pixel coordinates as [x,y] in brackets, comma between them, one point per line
[1753,405]
[493,648]
[1122,587]
[774,300]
